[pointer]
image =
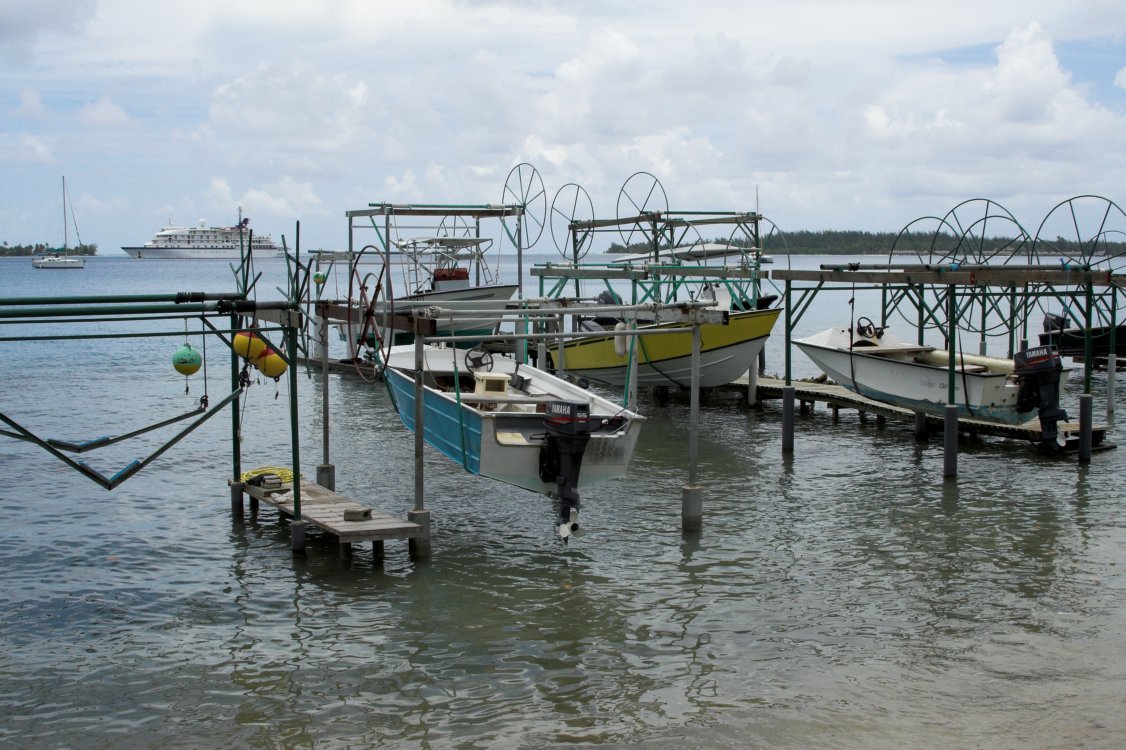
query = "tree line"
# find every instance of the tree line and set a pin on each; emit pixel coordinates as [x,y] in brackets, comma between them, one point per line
[10,251]
[850,242]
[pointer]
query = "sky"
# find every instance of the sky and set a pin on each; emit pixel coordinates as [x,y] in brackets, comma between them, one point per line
[822,114]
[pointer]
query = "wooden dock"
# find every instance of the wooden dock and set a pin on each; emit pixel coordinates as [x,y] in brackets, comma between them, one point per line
[808,393]
[326,510]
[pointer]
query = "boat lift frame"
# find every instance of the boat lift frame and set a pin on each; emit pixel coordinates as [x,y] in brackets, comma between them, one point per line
[236,308]
[900,284]
[664,281]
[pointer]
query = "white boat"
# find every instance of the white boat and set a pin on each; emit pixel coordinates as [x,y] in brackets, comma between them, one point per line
[58,261]
[206,243]
[62,258]
[444,272]
[515,423]
[875,364]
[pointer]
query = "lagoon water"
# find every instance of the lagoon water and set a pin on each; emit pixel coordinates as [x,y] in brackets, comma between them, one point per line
[842,597]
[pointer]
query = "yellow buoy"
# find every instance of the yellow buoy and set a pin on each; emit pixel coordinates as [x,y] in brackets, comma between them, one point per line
[248,345]
[187,360]
[270,364]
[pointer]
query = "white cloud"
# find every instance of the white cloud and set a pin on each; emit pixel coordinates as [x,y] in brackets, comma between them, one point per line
[284,198]
[24,22]
[31,104]
[103,113]
[26,149]
[1120,79]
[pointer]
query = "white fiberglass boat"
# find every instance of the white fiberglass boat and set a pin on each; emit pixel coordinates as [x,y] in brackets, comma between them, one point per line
[875,364]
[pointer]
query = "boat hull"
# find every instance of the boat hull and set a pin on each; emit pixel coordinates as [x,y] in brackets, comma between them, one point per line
[726,353]
[198,253]
[505,444]
[466,301]
[896,378]
[1071,342]
[60,262]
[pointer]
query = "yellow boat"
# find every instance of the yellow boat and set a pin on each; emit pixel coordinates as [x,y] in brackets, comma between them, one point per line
[726,352]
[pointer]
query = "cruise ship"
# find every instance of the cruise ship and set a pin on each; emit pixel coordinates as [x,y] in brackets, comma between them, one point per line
[206,243]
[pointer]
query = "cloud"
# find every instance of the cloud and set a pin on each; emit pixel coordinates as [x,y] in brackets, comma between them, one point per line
[24,22]
[103,113]
[31,105]
[289,109]
[26,149]
[285,197]
[1120,79]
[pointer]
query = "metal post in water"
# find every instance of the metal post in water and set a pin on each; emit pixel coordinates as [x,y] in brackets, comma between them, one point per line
[788,388]
[297,528]
[1086,404]
[1111,368]
[1112,354]
[788,418]
[631,390]
[921,433]
[236,446]
[326,472]
[691,499]
[950,442]
[950,414]
[236,499]
[420,545]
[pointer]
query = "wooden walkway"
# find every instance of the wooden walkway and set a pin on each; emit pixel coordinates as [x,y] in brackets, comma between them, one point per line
[808,393]
[326,510]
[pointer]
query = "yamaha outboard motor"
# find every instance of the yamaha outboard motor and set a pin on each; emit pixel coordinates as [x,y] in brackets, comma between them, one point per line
[561,457]
[1039,371]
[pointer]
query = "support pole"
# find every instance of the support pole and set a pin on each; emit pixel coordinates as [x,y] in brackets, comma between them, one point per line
[950,442]
[419,546]
[950,414]
[297,529]
[419,396]
[691,499]
[326,472]
[236,446]
[631,390]
[788,388]
[236,499]
[788,419]
[921,433]
[1086,404]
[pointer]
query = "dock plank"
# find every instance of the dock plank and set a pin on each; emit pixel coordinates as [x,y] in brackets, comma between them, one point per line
[324,509]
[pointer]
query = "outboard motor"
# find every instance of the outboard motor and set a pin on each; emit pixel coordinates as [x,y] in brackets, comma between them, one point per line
[561,457]
[1039,371]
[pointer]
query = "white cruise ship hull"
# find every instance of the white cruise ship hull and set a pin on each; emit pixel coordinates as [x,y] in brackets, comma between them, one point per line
[196,253]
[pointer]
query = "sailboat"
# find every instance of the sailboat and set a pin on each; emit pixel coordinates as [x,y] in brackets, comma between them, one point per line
[65,259]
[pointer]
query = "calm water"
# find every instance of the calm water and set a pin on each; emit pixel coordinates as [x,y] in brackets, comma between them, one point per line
[843,598]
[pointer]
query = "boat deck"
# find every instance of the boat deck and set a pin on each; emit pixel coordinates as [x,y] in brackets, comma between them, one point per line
[326,510]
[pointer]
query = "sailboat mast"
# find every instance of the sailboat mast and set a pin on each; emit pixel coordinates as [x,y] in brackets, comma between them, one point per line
[64,216]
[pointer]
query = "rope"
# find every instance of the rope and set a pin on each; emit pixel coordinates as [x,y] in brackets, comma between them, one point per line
[284,474]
